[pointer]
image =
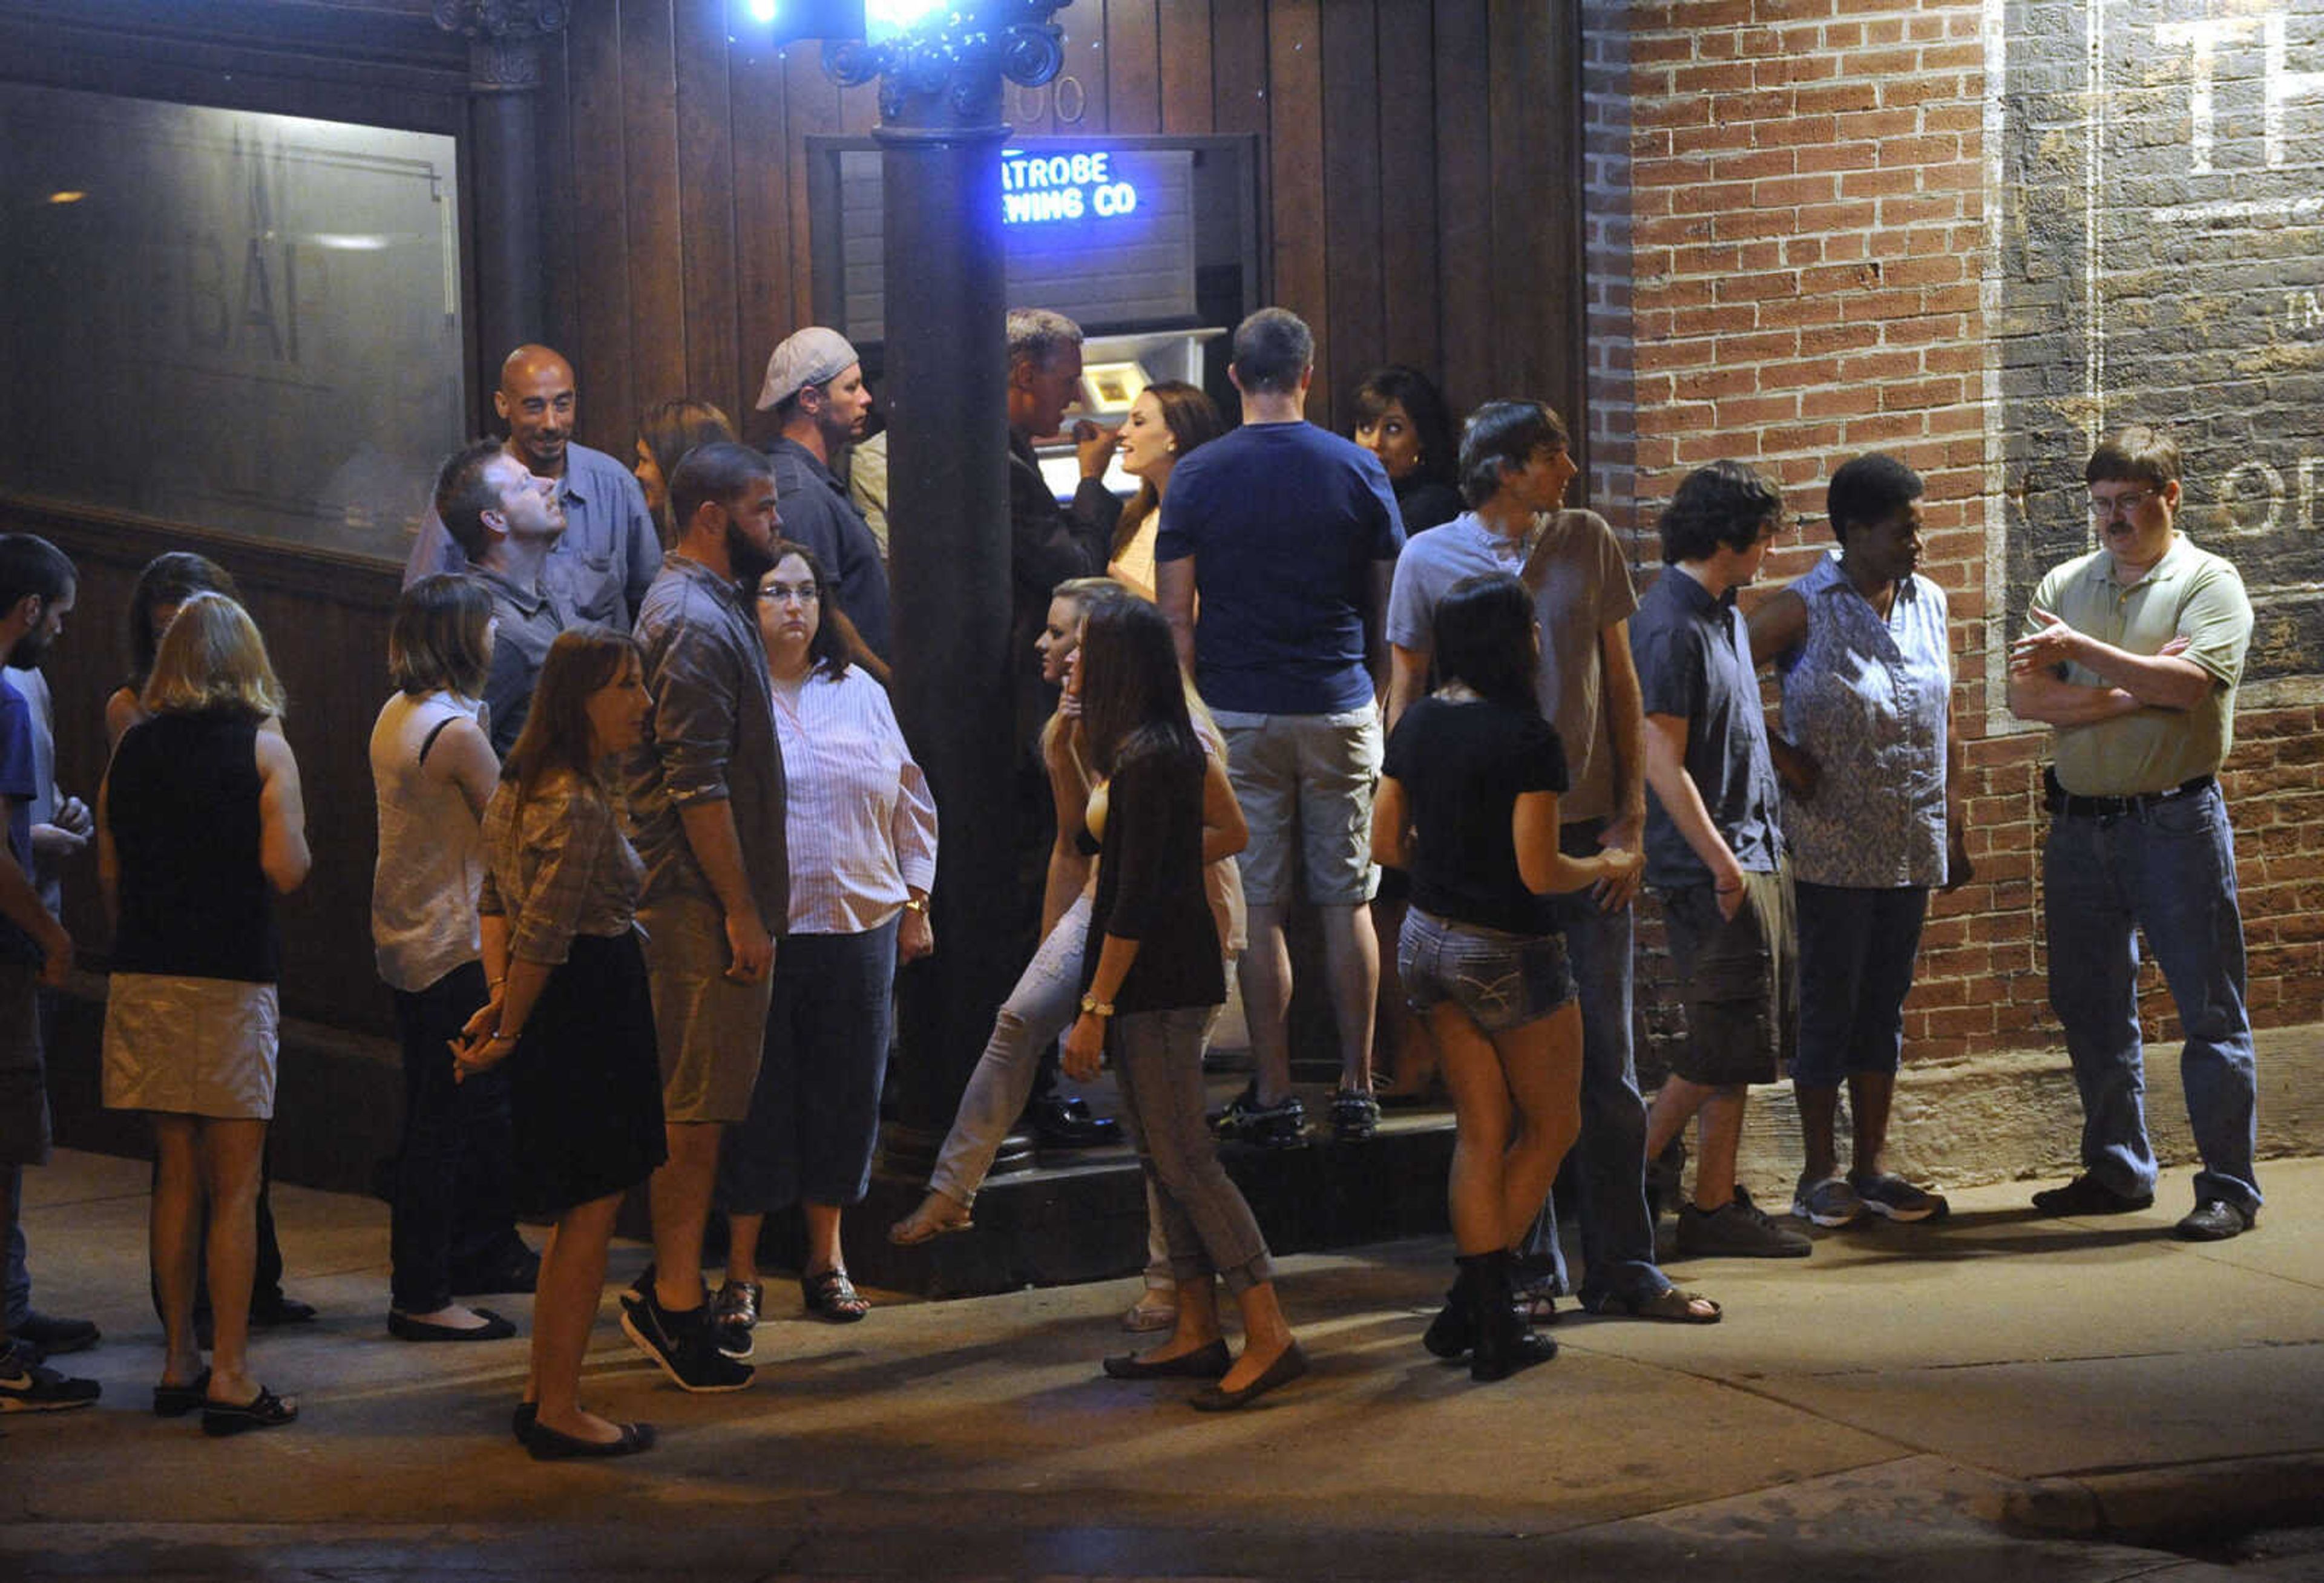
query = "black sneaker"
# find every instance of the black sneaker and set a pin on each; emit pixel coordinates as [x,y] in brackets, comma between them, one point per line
[26,1387]
[1355,1116]
[1058,1122]
[2087,1195]
[684,1346]
[1739,1229]
[2216,1220]
[49,1336]
[1281,1126]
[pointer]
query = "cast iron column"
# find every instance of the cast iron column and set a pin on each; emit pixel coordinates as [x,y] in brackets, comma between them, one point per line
[946,381]
[505,44]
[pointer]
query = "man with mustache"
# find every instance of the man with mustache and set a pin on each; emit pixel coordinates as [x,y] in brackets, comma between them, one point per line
[611,550]
[2132,653]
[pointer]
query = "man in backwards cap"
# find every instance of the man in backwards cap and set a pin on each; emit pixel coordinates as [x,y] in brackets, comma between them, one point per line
[815,388]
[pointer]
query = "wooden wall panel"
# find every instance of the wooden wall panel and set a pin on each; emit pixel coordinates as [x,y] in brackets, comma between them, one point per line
[598,337]
[1183,41]
[1353,324]
[1133,67]
[1080,105]
[1464,206]
[763,216]
[704,180]
[1407,218]
[656,238]
[1294,156]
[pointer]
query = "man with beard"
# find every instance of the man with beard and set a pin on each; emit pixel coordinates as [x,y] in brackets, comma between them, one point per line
[37,585]
[815,388]
[507,523]
[2133,652]
[611,550]
[706,801]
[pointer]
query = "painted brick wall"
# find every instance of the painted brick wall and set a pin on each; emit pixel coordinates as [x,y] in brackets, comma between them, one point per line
[1796,255]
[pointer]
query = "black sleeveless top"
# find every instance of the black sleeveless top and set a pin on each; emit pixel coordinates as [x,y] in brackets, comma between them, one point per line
[181,801]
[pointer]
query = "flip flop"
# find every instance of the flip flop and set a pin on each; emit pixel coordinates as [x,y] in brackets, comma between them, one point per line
[920,1226]
[1670,1305]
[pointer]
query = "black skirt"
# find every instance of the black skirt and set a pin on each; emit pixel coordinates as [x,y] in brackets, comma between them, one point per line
[585,1085]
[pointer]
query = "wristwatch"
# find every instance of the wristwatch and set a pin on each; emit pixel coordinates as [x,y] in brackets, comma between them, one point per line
[1095,1007]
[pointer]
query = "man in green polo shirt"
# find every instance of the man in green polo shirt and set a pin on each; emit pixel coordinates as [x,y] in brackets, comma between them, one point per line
[2132,654]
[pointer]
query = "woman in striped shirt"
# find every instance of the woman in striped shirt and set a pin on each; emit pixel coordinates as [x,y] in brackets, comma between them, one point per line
[861,829]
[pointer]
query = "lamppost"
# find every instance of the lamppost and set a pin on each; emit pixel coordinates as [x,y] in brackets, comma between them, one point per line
[940,67]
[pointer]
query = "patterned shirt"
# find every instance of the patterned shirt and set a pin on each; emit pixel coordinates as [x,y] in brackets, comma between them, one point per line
[559,860]
[862,825]
[1867,696]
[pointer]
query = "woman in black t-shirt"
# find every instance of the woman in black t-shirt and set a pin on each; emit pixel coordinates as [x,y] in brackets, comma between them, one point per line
[1468,806]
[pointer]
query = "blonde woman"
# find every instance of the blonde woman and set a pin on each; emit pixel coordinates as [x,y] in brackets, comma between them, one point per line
[200,826]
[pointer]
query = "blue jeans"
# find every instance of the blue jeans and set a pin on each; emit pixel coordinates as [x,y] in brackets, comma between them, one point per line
[2167,871]
[1608,1161]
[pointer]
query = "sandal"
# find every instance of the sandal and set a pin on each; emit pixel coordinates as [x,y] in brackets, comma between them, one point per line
[1536,1301]
[1670,1305]
[832,1297]
[1157,1309]
[175,1401]
[265,1411]
[938,1216]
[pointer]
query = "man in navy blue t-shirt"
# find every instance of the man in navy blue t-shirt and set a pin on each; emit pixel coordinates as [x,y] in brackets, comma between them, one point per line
[1289,534]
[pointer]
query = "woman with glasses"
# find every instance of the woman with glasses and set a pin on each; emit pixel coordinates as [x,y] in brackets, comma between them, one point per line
[861,829]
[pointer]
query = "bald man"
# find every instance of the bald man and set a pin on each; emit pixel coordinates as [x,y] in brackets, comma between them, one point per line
[611,550]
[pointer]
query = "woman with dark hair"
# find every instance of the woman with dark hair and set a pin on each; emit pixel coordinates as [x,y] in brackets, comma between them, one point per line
[167,582]
[433,770]
[666,431]
[1151,974]
[862,830]
[200,826]
[1402,419]
[570,1010]
[1467,804]
[1167,420]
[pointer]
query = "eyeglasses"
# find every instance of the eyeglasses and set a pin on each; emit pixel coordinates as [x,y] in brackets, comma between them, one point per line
[2127,505]
[789,593]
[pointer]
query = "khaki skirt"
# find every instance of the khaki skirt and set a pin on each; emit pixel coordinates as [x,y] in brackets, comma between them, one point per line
[190,1047]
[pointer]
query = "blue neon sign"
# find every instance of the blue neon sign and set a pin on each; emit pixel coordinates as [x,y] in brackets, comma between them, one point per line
[1043,188]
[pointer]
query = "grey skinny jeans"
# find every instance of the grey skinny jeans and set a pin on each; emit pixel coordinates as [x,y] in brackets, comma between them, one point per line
[1206,1225]
[1037,1011]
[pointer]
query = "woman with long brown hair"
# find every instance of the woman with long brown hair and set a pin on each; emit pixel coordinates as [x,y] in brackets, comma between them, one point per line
[1166,421]
[570,1010]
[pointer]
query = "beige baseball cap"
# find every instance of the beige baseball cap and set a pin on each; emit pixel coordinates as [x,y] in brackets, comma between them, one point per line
[806,357]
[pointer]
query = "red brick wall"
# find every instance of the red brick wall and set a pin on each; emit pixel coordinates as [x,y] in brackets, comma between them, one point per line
[1788,240]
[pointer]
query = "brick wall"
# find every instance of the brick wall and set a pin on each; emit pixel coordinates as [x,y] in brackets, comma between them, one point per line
[1795,254]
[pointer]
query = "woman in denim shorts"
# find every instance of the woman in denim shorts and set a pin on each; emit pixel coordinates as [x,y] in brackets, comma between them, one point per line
[1468,806]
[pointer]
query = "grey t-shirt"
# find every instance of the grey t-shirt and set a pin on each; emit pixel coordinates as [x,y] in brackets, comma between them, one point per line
[1581,586]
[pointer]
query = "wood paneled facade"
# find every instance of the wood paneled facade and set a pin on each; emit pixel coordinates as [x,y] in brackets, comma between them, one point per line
[1419,201]
[1419,180]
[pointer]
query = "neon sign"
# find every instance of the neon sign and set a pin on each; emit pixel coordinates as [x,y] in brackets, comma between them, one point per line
[1042,188]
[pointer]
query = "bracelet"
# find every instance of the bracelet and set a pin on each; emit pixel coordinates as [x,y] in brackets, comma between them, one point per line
[499,1038]
[917,904]
[1095,1007]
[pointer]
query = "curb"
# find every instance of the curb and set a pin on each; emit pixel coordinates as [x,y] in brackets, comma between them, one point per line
[2182,1500]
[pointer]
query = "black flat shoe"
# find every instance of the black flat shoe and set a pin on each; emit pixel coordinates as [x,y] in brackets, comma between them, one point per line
[515,1273]
[272,1312]
[177,1401]
[404,1328]
[1289,1367]
[520,1421]
[265,1411]
[548,1445]
[1203,1363]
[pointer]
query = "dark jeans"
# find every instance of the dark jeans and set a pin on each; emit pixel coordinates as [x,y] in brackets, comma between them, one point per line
[1608,1163]
[815,1114]
[1858,949]
[452,1187]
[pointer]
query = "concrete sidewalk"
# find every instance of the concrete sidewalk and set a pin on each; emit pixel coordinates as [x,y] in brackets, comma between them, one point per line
[1996,1393]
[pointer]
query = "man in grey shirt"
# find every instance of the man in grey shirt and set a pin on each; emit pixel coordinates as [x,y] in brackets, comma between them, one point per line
[1515,469]
[611,550]
[706,802]
[507,523]
[815,388]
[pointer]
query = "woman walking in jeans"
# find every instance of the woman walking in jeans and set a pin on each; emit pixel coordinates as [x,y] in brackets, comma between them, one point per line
[1151,974]
[1468,806]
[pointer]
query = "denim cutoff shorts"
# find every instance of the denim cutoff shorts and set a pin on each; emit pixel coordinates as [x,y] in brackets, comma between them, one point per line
[1500,979]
